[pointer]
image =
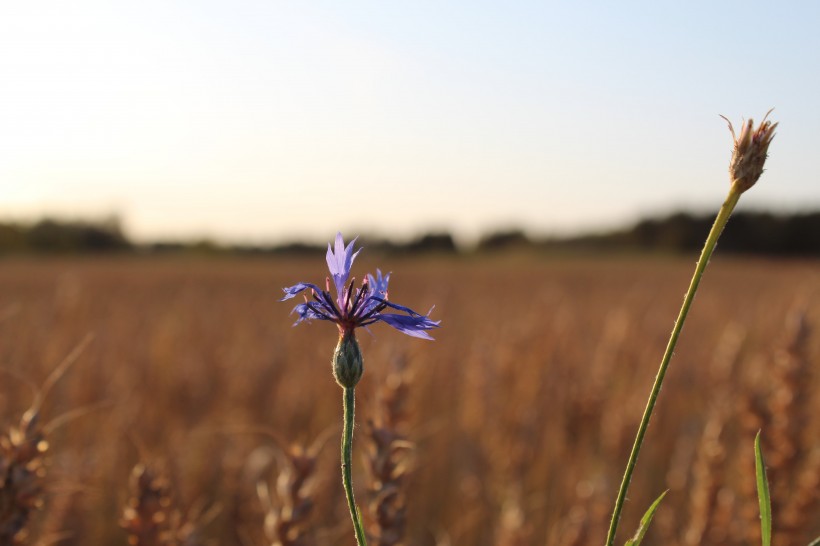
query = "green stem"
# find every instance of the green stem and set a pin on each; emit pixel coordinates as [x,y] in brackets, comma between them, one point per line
[347,455]
[708,248]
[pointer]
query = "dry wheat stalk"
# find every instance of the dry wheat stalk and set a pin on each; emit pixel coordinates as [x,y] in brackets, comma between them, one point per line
[387,469]
[287,513]
[22,469]
[708,464]
[152,517]
[22,460]
[803,501]
[794,491]
[781,416]
[387,461]
[286,524]
[709,512]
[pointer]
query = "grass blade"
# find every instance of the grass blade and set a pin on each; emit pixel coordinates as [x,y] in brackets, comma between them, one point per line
[763,495]
[645,521]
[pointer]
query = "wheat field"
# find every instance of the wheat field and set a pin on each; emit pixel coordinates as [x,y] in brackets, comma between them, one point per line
[511,428]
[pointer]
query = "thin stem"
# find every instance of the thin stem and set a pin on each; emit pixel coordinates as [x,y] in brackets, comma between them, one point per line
[347,455]
[708,248]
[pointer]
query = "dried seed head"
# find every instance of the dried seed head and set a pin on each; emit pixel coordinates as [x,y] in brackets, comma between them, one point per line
[750,151]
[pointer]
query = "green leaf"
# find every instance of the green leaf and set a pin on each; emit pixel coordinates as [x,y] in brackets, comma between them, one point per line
[763,494]
[645,521]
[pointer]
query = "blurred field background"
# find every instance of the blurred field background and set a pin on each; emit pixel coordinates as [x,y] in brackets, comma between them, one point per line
[167,167]
[520,415]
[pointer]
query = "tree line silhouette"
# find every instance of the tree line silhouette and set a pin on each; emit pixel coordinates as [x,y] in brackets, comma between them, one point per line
[759,233]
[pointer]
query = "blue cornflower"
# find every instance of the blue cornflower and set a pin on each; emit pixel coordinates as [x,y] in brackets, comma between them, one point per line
[355,307]
[352,308]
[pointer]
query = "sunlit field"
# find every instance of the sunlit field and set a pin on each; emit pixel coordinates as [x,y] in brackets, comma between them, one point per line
[511,428]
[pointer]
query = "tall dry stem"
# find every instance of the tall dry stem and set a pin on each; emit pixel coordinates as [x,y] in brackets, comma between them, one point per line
[745,168]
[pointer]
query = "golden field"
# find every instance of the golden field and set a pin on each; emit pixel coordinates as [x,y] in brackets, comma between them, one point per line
[514,424]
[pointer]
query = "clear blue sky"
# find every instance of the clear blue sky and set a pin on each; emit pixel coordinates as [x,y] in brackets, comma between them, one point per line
[273,120]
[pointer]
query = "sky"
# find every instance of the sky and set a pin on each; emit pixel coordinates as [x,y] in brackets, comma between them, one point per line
[265,121]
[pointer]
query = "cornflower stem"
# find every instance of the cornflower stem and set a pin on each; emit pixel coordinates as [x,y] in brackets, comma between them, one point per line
[347,455]
[717,228]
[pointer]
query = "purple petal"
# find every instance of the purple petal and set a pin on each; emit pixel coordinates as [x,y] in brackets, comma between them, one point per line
[398,307]
[411,325]
[371,302]
[378,285]
[376,292]
[306,312]
[339,264]
[291,291]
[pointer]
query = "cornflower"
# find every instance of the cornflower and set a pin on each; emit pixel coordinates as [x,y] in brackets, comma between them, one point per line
[353,308]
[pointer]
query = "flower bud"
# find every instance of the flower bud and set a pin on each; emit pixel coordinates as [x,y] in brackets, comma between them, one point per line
[750,152]
[348,365]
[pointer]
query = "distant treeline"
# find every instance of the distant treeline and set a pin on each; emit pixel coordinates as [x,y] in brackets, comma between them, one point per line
[64,237]
[747,233]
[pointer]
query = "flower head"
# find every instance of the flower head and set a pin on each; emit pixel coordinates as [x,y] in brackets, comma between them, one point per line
[355,307]
[750,151]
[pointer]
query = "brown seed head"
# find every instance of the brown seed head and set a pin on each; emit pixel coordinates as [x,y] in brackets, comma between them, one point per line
[750,151]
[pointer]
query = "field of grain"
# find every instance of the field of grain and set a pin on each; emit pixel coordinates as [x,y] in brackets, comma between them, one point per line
[511,428]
